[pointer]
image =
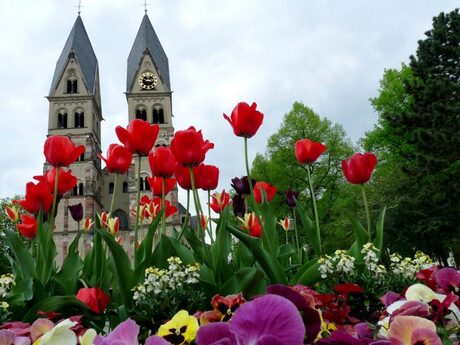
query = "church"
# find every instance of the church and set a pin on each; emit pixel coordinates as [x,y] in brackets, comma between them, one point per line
[75,110]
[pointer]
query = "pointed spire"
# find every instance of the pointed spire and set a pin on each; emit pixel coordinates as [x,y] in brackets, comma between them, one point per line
[77,46]
[147,42]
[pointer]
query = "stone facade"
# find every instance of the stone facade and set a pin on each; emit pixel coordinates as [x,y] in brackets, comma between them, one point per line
[75,111]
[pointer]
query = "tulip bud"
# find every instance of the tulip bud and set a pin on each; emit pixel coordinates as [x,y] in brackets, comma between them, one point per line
[203,222]
[285,224]
[87,224]
[12,213]
[103,218]
[114,225]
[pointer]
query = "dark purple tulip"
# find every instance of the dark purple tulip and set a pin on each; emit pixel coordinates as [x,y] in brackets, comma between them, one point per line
[241,185]
[291,198]
[76,211]
[448,279]
[238,206]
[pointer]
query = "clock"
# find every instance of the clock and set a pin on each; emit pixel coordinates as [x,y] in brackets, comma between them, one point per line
[148,81]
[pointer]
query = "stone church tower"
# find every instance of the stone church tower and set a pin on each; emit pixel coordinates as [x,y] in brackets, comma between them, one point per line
[75,111]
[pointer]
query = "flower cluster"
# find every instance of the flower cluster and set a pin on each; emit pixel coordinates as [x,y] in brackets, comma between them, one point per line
[6,282]
[158,280]
[408,267]
[371,260]
[339,264]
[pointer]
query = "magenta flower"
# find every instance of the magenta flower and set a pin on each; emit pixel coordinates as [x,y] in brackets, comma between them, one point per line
[124,334]
[340,338]
[448,280]
[270,319]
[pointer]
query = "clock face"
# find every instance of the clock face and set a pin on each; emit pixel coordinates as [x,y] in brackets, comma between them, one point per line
[148,81]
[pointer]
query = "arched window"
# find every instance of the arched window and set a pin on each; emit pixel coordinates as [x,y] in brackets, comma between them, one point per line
[79,120]
[72,86]
[75,190]
[80,189]
[81,158]
[141,183]
[123,217]
[125,187]
[141,113]
[111,186]
[62,120]
[158,115]
[147,184]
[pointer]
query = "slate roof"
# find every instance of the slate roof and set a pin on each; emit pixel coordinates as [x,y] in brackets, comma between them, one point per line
[147,40]
[78,43]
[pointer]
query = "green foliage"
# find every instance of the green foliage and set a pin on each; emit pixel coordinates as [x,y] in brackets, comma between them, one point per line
[5,223]
[280,167]
[418,140]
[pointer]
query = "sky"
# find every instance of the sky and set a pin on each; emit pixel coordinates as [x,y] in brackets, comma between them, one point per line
[328,54]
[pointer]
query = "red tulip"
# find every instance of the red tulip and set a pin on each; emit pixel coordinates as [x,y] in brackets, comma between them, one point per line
[308,151]
[251,224]
[28,227]
[60,151]
[94,298]
[269,190]
[66,180]
[87,224]
[245,119]
[182,175]
[38,196]
[118,159]
[156,185]
[162,162]
[139,137]
[189,148]
[219,201]
[206,177]
[358,169]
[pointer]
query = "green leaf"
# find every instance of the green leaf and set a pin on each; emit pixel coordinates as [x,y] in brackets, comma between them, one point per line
[248,280]
[46,266]
[54,303]
[144,252]
[121,268]
[74,245]
[162,252]
[308,274]
[25,261]
[243,256]
[361,234]
[285,252]
[378,241]
[221,248]
[182,251]
[68,275]
[269,263]
[309,228]
[270,236]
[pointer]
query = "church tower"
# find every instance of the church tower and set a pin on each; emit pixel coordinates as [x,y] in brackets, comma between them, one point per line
[75,111]
[148,92]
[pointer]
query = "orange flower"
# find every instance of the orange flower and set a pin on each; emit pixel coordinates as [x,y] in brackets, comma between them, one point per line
[251,223]
[285,224]
[12,213]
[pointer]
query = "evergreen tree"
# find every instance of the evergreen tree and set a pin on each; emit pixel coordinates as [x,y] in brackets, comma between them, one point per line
[429,141]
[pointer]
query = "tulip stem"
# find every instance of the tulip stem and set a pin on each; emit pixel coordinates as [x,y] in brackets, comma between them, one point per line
[138,200]
[163,206]
[197,210]
[247,167]
[315,209]
[186,216]
[297,244]
[209,215]
[368,216]
[53,208]
[115,187]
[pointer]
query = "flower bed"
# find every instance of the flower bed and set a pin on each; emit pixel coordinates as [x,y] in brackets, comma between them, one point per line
[229,280]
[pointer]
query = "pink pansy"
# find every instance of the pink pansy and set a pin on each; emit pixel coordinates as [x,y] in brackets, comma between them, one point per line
[411,330]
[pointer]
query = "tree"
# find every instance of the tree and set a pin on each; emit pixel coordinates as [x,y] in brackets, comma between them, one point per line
[422,126]
[5,223]
[280,167]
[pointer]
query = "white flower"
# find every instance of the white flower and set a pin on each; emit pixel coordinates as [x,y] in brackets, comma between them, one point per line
[59,335]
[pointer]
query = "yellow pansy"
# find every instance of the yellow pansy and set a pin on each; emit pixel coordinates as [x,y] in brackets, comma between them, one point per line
[181,329]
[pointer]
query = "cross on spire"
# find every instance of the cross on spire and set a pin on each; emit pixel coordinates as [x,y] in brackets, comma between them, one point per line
[145,4]
[79,6]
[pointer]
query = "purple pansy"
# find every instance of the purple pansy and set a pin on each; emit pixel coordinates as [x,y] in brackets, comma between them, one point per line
[340,338]
[124,334]
[267,320]
[448,279]
[8,337]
